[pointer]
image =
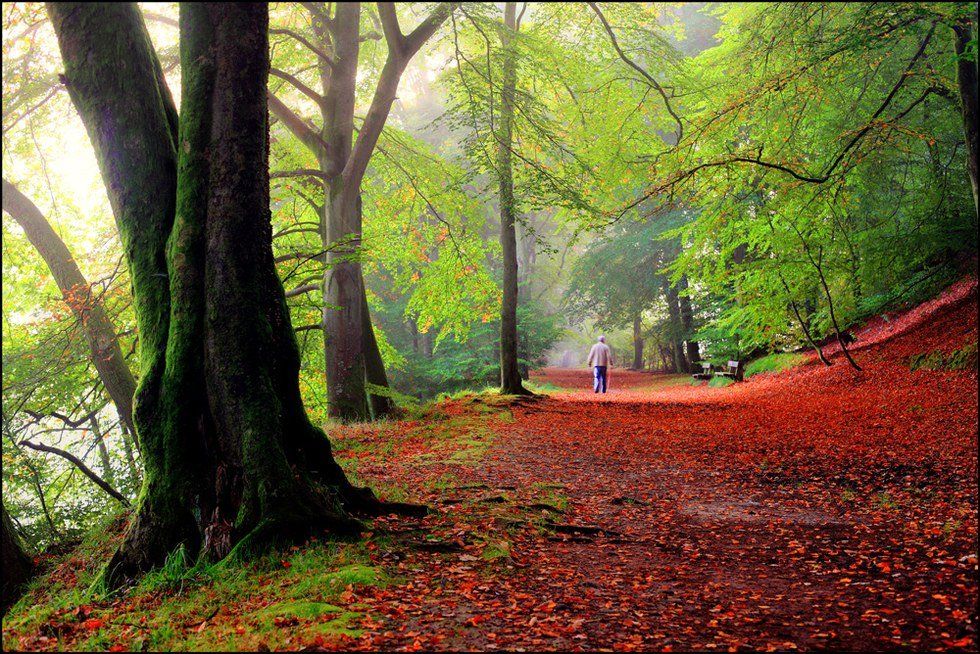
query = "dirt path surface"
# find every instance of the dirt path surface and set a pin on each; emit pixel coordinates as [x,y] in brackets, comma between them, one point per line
[818,508]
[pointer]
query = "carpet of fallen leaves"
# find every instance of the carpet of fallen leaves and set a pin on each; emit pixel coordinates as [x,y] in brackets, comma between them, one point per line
[817,508]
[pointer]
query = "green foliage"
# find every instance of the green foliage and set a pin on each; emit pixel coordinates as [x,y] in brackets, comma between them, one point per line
[824,221]
[456,365]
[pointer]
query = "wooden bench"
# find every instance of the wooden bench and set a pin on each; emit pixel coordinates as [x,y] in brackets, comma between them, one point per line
[705,371]
[734,370]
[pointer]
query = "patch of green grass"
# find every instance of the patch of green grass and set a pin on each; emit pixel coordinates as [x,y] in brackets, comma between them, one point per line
[776,362]
[720,382]
[551,494]
[885,501]
[965,358]
[950,527]
[496,550]
[543,387]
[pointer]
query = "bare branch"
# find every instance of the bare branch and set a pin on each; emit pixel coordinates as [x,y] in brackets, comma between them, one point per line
[300,290]
[632,64]
[99,481]
[300,86]
[306,42]
[300,129]
[301,172]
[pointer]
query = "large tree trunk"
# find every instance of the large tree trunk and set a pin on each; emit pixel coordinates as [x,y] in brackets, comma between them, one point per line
[232,462]
[637,343]
[343,324]
[687,321]
[966,72]
[18,568]
[510,376]
[105,353]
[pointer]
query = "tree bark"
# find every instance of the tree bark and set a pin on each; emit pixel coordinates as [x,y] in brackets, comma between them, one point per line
[232,462]
[103,343]
[343,324]
[693,357]
[676,327]
[637,343]
[382,406]
[510,376]
[966,73]
[18,568]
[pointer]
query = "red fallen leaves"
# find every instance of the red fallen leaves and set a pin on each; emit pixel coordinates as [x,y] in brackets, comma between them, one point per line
[814,508]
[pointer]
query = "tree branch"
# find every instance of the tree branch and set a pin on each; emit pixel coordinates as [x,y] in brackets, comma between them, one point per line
[400,51]
[301,172]
[302,39]
[300,290]
[99,481]
[298,85]
[300,129]
[632,64]
[73,424]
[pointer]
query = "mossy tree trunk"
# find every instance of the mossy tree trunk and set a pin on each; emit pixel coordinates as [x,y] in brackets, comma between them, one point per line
[18,568]
[510,375]
[232,462]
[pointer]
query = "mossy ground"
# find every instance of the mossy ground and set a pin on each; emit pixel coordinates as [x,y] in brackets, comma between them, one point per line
[964,358]
[776,362]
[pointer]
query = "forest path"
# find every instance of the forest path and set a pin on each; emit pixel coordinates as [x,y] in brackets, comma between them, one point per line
[816,508]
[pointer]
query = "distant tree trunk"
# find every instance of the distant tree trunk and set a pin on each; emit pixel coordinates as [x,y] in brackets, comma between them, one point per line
[127,442]
[413,328]
[343,287]
[966,73]
[637,343]
[510,376]
[676,327]
[18,568]
[103,343]
[803,323]
[107,472]
[232,461]
[664,365]
[687,321]
[427,343]
[527,245]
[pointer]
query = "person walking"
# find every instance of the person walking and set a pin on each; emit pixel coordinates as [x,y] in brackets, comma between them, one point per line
[600,358]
